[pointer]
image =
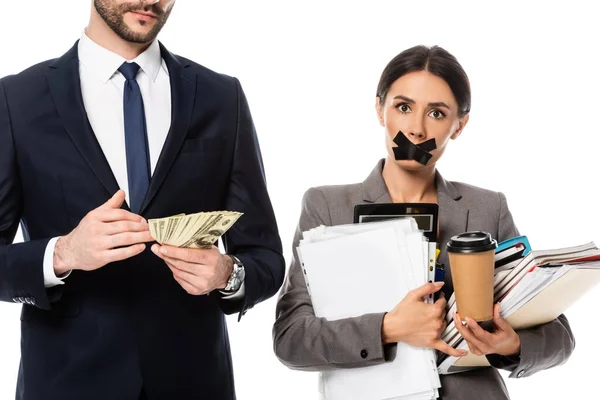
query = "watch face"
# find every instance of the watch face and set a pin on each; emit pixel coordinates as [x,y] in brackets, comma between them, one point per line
[237,276]
[241,274]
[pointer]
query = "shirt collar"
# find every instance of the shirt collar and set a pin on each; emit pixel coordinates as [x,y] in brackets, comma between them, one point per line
[104,63]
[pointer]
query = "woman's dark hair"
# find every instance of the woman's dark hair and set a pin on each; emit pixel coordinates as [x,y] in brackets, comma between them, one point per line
[435,60]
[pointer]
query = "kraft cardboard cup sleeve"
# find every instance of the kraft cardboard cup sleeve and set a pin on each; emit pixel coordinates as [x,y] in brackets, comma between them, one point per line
[471,257]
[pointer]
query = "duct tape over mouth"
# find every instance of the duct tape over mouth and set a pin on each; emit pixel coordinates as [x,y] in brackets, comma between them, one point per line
[407,150]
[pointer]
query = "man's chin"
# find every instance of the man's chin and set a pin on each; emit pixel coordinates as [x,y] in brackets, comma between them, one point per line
[141,38]
[138,35]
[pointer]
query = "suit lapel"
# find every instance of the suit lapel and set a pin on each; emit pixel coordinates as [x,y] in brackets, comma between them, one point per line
[454,216]
[183,94]
[65,88]
[374,188]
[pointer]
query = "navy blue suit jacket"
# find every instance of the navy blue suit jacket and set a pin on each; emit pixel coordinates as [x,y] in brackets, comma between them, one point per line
[108,333]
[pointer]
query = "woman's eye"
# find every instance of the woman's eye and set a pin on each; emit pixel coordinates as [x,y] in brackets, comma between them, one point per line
[404,108]
[437,114]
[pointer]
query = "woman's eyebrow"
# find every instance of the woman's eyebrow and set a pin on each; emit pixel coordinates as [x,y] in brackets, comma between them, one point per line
[439,104]
[407,99]
[411,101]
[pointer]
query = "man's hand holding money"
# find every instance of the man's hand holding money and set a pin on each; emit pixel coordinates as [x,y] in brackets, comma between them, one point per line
[106,234]
[198,271]
[186,244]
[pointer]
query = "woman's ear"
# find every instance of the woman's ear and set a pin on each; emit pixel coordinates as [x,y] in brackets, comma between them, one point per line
[379,110]
[461,125]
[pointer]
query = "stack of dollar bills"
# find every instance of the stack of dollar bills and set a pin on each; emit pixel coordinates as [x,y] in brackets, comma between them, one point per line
[200,230]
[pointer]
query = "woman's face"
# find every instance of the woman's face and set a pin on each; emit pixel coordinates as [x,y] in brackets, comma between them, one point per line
[422,106]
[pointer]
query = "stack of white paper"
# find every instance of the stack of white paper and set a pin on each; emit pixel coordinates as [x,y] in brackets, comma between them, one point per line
[352,270]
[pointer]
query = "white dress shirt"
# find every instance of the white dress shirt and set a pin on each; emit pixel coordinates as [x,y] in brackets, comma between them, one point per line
[102,88]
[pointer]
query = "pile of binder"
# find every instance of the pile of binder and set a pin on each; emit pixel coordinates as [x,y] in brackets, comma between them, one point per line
[356,269]
[533,289]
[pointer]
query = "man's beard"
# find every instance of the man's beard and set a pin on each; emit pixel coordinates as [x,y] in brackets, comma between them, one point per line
[113,14]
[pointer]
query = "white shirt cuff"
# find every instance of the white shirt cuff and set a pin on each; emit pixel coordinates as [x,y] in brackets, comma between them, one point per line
[235,296]
[50,278]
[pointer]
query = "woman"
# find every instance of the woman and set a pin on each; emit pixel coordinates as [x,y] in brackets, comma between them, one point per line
[423,94]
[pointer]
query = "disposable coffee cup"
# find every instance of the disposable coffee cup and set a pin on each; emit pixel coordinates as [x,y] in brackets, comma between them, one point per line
[471,257]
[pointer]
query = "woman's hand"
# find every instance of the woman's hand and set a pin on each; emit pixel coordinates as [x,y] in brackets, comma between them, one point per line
[419,324]
[503,341]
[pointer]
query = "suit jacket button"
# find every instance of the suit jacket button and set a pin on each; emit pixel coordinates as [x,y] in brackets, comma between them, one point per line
[364,353]
[521,373]
[16,299]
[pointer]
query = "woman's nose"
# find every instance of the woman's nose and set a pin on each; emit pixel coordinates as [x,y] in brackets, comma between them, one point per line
[416,129]
[418,135]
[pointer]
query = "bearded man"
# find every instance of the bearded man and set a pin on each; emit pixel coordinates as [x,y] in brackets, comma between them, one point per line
[93,144]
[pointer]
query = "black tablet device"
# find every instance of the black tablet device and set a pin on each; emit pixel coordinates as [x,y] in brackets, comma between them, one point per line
[425,214]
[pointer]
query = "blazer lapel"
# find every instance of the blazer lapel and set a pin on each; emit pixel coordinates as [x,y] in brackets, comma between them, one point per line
[374,188]
[183,94]
[65,88]
[453,215]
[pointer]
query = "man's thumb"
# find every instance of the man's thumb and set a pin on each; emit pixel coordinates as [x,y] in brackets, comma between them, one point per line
[117,200]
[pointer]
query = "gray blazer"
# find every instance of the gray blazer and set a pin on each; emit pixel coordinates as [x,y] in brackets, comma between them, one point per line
[305,342]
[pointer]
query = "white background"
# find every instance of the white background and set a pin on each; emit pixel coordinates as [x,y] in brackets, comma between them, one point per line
[310,71]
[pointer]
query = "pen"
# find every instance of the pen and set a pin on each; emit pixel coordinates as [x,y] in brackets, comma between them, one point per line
[439,277]
[440,271]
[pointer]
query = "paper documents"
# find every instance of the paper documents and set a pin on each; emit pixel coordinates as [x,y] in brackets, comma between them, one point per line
[352,270]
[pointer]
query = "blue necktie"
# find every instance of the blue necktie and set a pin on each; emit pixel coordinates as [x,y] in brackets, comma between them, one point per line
[136,141]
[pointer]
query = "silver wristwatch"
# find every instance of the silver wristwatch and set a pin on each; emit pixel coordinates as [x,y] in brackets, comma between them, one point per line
[237,276]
